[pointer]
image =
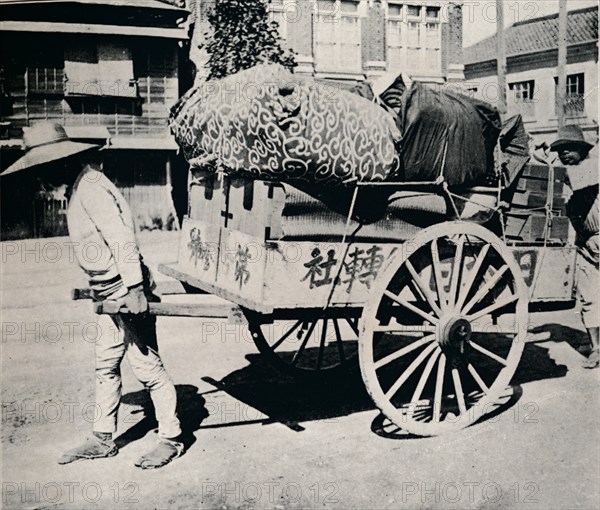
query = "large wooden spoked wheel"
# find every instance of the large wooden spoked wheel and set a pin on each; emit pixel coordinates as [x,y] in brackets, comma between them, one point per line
[306,342]
[444,329]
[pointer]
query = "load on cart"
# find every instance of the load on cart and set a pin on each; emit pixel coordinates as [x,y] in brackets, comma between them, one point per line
[406,229]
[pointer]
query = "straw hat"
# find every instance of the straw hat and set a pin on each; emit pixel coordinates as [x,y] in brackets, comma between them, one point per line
[45,142]
[571,134]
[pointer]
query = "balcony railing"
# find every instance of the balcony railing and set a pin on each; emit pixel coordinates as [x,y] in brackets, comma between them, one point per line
[574,105]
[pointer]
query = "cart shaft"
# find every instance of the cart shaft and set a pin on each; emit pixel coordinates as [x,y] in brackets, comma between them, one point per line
[218,311]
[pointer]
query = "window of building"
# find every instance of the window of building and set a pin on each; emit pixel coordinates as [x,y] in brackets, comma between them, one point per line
[327,10]
[521,98]
[102,69]
[395,54]
[413,59]
[433,36]
[432,13]
[433,46]
[414,42]
[337,36]
[414,35]
[45,74]
[575,84]
[575,95]
[522,91]
[349,6]
[394,10]
[413,11]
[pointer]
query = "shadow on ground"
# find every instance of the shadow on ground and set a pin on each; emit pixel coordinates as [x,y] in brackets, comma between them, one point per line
[577,339]
[190,409]
[285,399]
[289,400]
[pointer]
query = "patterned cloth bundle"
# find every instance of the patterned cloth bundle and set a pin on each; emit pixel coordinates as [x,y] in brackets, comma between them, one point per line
[273,125]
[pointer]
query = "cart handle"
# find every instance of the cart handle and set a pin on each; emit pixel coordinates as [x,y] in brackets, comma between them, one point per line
[220,311]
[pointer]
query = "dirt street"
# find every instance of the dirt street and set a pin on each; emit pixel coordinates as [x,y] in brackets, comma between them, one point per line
[262,440]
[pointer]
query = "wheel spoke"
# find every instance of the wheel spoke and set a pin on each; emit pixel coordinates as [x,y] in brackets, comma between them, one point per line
[284,337]
[439,386]
[485,289]
[425,375]
[477,378]
[490,354]
[322,345]
[401,328]
[493,307]
[423,288]
[352,325]
[401,352]
[338,340]
[456,269]
[303,344]
[460,397]
[437,271]
[428,317]
[408,372]
[470,280]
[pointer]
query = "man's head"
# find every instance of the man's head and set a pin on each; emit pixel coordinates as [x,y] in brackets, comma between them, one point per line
[45,142]
[571,154]
[571,145]
[91,159]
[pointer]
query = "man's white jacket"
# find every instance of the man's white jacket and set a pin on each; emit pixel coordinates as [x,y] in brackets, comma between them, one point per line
[102,231]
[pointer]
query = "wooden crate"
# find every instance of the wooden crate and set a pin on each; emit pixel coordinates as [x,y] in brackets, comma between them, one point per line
[535,178]
[255,207]
[526,218]
[537,200]
[539,185]
[239,203]
[541,172]
[529,227]
[206,197]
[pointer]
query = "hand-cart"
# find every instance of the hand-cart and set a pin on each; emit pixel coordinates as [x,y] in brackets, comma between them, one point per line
[438,314]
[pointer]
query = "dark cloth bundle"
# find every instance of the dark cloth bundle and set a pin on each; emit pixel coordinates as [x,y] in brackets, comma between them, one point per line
[447,134]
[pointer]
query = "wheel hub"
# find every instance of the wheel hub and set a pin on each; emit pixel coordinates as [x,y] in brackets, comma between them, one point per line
[455,333]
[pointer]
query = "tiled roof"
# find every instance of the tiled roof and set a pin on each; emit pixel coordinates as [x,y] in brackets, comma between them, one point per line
[150,4]
[537,34]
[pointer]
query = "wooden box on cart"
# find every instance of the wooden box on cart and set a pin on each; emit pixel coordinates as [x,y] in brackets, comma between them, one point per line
[232,245]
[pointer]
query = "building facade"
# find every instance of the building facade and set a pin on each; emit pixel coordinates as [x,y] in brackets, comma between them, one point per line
[532,73]
[348,41]
[108,70]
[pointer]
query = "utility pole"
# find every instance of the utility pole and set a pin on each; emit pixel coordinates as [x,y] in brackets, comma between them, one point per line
[562,63]
[501,59]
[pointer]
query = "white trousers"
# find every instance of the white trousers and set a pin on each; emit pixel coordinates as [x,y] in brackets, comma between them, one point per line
[588,281]
[134,336]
